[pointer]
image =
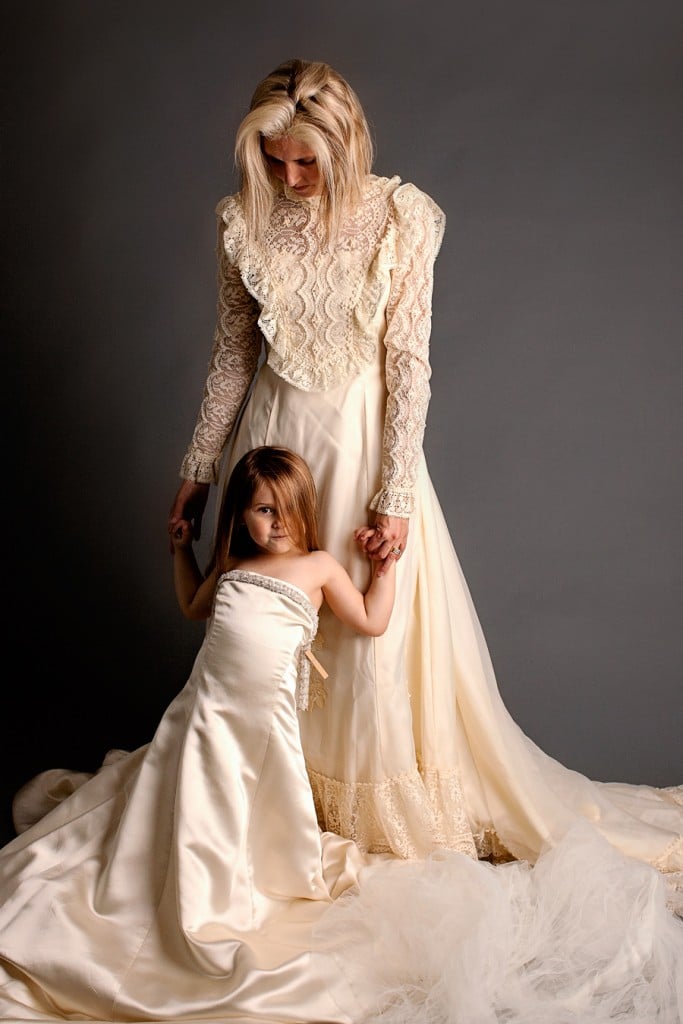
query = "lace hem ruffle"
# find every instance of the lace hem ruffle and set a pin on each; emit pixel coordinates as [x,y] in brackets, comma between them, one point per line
[670,859]
[674,793]
[408,815]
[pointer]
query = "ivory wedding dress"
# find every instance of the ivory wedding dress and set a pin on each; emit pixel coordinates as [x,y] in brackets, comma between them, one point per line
[410,747]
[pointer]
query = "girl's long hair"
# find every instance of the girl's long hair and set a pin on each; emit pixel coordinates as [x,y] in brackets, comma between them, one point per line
[290,480]
[310,102]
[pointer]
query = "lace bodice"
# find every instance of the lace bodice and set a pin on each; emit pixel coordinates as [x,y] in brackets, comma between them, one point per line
[322,311]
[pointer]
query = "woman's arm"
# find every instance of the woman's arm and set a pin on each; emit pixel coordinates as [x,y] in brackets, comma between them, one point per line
[419,226]
[234,360]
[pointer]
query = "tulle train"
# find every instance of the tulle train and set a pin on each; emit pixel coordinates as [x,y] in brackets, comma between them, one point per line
[583,937]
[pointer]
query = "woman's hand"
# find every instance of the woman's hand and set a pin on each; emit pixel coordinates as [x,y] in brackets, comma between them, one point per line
[385,541]
[188,504]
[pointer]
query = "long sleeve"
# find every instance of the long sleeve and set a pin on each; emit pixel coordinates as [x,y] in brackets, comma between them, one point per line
[234,360]
[419,227]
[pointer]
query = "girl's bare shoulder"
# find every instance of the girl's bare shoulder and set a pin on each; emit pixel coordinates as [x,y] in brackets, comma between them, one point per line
[322,561]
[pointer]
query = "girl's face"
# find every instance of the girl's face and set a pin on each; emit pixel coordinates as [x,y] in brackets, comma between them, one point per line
[266,526]
[294,164]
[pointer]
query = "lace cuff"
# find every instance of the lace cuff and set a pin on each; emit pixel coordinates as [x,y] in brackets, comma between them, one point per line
[234,360]
[419,226]
[394,503]
[200,470]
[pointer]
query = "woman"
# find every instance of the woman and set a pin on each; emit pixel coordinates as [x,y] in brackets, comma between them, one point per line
[327,269]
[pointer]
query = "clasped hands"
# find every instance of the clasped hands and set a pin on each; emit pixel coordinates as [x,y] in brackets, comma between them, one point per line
[188,506]
[385,541]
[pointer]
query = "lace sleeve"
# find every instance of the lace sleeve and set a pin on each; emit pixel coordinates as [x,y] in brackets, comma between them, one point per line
[419,227]
[234,360]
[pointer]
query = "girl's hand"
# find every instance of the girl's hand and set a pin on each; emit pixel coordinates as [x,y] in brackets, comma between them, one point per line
[181,537]
[362,535]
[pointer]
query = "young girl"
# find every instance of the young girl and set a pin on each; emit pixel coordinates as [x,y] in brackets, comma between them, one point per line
[183,880]
[268,526]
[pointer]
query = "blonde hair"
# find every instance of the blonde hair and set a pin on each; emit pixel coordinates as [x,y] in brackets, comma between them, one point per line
[289,478]
[309,102]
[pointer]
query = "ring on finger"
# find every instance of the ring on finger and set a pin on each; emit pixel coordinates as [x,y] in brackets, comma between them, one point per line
[396,552]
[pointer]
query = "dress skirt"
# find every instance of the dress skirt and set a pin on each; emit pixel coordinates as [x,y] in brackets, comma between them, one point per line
[408,744]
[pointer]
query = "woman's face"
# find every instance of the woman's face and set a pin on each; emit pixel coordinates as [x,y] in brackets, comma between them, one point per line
[294,164]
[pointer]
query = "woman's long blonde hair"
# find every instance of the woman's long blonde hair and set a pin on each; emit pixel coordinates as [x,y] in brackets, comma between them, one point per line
[309,102]
[289,478]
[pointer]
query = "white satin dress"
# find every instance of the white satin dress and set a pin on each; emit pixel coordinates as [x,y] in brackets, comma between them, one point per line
[182,881]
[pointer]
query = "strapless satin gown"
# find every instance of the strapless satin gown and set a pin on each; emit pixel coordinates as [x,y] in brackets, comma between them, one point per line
[182,880]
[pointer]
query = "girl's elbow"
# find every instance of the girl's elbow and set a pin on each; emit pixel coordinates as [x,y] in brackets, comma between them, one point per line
[194,614]
[376,630]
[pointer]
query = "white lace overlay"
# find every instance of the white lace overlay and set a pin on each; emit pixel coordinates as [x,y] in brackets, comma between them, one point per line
[670,860]
[388,816]
[419,227]
[675,794]
[322,313]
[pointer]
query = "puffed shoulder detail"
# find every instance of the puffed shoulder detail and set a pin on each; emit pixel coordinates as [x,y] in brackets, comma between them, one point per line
[231,224]
[228,207]
[416,214]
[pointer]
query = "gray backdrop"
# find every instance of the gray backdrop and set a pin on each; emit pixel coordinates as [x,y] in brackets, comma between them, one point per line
[550,133]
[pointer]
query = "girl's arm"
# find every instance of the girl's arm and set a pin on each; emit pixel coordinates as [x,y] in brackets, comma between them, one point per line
[367,613]
[193,592]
